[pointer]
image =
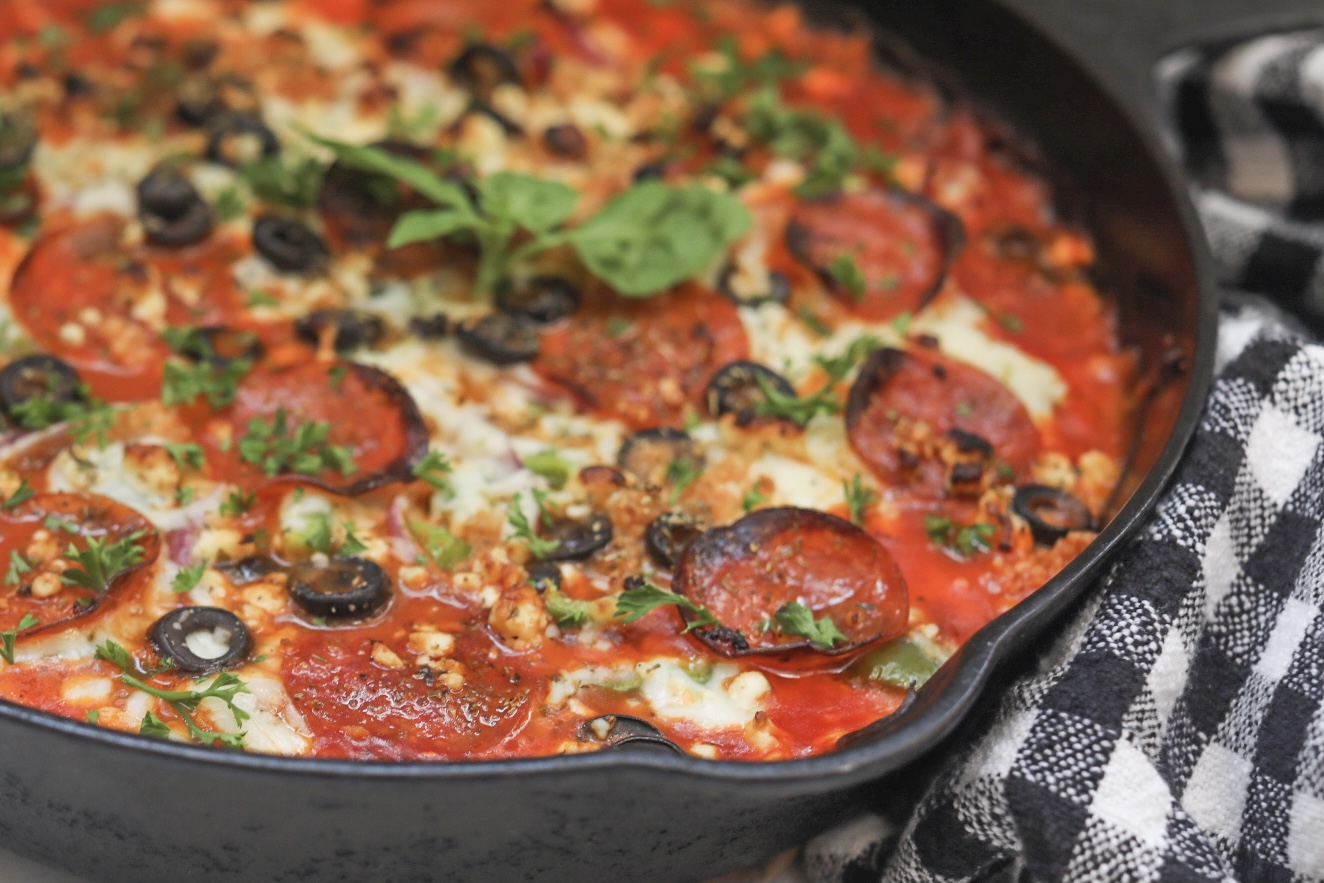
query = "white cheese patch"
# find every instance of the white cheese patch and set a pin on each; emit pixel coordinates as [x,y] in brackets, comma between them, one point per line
[274,725]
[105,471]
[796,483]
[955,323]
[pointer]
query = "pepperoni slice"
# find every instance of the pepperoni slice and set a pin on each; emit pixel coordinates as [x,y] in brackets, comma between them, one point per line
[644,362]
[748,573]
[374,434]
[881,252]
[905,408]
[466,706]
[43,582]
[85,296]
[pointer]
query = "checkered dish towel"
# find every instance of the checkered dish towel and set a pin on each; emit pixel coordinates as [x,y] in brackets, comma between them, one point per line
[1176,732]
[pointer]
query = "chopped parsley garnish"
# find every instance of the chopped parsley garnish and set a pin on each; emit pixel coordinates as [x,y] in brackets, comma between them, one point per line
[188,578]
[259,298]
[434,469]
[568,612]
[85,414]
[237,502]
[515,517]
[153,726]
[351,545]
[230,204]
[188,455]
[827,150]
[21,495]
[641,242]
[642,597]
[185,702]
[846,273]
[304,449]
[101,561]
[58,524]
[733,74]
[753,498]
[107,16]
[1011,322]
[681,473]
[800,410]
[813,322]
[287,182]
[550,466]
[798,620]
[901,324]
[93,715]
[858,498]
[440,546]
[8,636]
[964,541]
[18,565]
[218,383]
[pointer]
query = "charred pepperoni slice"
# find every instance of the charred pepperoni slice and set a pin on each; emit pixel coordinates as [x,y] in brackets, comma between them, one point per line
[917,417]
[881,252]
[462,706]
[53,587]
[774,559]
[98,304]
[644,362]
[341,426]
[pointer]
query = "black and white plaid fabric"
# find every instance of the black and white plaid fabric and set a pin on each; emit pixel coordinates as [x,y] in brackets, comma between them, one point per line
[1176,733]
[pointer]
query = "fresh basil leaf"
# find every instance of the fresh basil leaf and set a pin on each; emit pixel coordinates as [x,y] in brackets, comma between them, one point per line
[654,236]
[423,225]
[535,204]
[416,175]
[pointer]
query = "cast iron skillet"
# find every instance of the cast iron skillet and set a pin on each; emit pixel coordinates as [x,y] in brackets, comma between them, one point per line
[1075,76]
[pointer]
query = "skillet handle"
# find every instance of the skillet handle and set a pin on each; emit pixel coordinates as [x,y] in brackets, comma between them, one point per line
[1124,39]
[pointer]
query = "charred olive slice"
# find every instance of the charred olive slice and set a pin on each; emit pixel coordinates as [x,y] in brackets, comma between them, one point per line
[650,455]
[544,575]
[622,730]
[576,540]
[740,388]
[796,569]
[290,246]
[566,140]
[351,328]
[1050,512]
[237,139]
[37,376]
[172,212]
[500,338]
[743,290]
[244,571]
[670,534]
[343,588]
[543,299]
[432,327]
[223,641]
[481,67]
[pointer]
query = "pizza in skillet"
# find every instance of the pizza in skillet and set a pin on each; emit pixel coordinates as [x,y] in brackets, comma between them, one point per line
[393,379]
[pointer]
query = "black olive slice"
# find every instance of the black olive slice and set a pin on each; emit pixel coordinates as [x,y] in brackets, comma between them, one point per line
[352,328]
[622,730]
[172,212]
[650,454]
[543,299]
[433,327]
[653,170]
[670,534]
[237,139]
[481,67]
[243,571]
[290,246]
[777,291]
[1050,512]
[18,138]
[566,140]
[169,636]
[500,338]
[343,588]
[739,388]
[576,540]
[204,99]
[544,575]
[38,376]
[220,346]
